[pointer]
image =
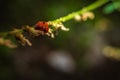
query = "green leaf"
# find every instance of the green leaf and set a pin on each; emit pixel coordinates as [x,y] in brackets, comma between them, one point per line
[116,3]
[109,8]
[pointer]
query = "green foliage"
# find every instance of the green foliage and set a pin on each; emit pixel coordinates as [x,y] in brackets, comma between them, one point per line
[111,7]
[116,3]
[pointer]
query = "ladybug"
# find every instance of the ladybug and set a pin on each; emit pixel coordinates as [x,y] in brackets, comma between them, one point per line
[43,26]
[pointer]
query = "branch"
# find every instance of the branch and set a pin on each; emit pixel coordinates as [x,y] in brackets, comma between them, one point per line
[93,6]
[48,28]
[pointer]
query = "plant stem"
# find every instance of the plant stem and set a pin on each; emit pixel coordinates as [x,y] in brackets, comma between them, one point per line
[68,17]
[88,8]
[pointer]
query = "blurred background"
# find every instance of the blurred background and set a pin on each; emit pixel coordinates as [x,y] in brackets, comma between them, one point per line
[89,51]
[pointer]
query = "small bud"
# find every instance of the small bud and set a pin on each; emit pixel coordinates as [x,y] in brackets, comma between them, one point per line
[52,35]
[22,39]
[64,28]
[77,17]
[87,15]
[7,43]
[61,26]
[33,32]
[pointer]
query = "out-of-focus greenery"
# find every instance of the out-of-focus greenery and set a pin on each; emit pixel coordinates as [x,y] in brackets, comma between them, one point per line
[83,39]
[112,7]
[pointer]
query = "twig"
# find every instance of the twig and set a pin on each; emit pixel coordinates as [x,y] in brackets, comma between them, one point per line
[48,28]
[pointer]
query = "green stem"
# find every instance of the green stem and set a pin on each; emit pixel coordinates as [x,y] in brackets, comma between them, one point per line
[68,17]
[88,8]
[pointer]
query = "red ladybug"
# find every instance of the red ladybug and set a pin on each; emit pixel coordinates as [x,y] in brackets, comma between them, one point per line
[43,26]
